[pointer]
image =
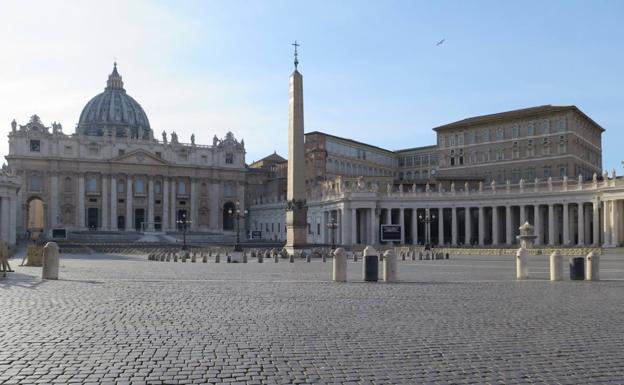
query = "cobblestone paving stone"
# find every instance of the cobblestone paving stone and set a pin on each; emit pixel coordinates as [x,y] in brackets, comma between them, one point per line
[118,320]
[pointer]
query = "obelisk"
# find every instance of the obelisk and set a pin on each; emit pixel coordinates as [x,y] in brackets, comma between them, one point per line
[296,210]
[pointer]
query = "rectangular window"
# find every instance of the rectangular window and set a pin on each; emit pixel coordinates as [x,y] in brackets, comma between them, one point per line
[500,134]
[531,130]
[35,146]
[515,131]
[35,183]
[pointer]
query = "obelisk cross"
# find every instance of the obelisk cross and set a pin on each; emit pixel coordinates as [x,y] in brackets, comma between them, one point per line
[295,44]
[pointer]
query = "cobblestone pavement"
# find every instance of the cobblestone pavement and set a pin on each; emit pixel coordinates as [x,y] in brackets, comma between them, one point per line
[113,319]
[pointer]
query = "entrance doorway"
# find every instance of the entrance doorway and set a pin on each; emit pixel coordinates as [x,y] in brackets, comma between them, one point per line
[139,218]
[93,218]
[228,216]
[36,223]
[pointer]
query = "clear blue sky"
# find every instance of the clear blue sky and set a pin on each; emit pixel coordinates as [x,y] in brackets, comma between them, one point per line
[371,70]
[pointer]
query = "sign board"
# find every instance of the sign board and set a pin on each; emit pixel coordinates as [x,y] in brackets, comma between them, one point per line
[390,233]
[255,234]
[59,233]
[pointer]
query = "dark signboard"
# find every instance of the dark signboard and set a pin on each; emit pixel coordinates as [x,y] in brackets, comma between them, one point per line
[390,233]
[59,233]
[256,234]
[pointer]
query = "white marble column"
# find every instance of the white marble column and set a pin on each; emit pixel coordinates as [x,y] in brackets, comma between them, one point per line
[467,226]
[551,224]
[173,217]
[345,230]
[508,225]
[581,223]
[454,226]
[338,231]
[354,226]
[615,223]
[596,223]
[481,226]
[522,214]
[165,225]
[566,224]
[193,207]
[104,206]
[495,226]
[414,227]
[113,203]
[402,224]
[13,202]
[441,226]
[388,217]
[539,230]
[5,215]
[374,223]
[150,203]
[129,221]
[606,219]
[54,200]
[81,202]
[322,236]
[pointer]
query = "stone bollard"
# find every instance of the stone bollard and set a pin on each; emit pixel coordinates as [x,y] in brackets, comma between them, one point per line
[217,258]
[556,266]
[205,259]
[522,265]
[389,266]
[339,273]
[370,264]
[50,261]
[592,266]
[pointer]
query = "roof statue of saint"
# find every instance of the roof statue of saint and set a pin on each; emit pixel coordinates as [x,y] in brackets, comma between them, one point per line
[114,112]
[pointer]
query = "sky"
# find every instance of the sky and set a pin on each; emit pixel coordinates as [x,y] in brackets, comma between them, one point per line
[372,70]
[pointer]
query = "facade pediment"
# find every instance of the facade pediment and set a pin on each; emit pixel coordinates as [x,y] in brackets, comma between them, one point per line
[139,157]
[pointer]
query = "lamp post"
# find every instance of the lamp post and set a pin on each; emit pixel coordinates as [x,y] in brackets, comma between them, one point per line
[427,220]
[184,223]
[239,216]
[332,225]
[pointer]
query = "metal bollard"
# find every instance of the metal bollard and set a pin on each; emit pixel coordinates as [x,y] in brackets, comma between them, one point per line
[339,273]
[556,266]
[389,266]
[370,261]
[592,266]
[577,268]
[50,261]
[522,268]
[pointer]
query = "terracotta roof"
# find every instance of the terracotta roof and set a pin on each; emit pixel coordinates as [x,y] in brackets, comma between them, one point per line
[514,114]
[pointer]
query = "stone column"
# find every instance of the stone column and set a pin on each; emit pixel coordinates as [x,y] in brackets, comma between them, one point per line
[414,227]
[345,230]
[354,227]
[54,200]
[402,224]
[129,221]
[193,206]
[539,231]
[150,203]
[467,226]
[81,202]
[374,223]
[495,226]
[388,217]
[454,226]
[113,203]
[508,229]
[165,225]
[581,223]
[551,224]
[173,217]
[13,202]
[104,206]
[441,226]
[615,223]
[481,226]
[566,224]
[606,227]
[338,231]
[596,223]
[5,215]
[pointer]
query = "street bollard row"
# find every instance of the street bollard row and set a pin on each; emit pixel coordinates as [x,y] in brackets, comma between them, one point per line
[370,265]
[587,268]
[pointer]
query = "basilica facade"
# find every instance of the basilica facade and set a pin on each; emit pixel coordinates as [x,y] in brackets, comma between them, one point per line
[113,174]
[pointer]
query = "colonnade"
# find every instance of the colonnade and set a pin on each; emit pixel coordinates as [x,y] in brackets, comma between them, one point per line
[574,223]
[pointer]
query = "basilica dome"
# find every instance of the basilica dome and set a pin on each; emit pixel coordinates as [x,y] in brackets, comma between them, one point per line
[114,111]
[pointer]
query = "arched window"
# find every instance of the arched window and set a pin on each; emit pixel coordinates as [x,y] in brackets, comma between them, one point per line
[68,185]
[139,186]
[92,185]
